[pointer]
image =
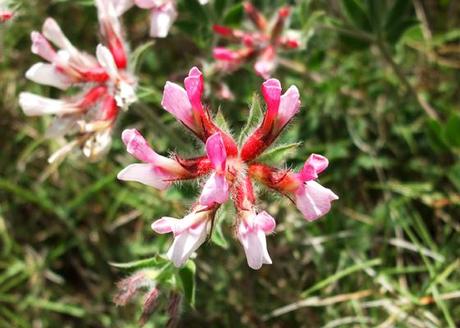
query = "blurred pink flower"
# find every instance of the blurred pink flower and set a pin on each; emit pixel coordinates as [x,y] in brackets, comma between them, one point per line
[251,232]
[229,170]
[106,84]
[260,46]
[5,15]
[163,13]
[7,10]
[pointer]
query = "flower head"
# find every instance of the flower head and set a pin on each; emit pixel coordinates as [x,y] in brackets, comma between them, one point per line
[105,84]
[260,46]
[229,171]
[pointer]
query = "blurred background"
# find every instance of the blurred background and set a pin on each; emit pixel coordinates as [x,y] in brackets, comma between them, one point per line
[379,84]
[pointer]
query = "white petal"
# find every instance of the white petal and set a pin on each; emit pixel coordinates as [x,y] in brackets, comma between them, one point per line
[98,145]
[255,247]
[161,21]
[126,95]
[186,243]
[47,74]
[144,173]
[53,32]
[34,105]
[62,125]
[105,59]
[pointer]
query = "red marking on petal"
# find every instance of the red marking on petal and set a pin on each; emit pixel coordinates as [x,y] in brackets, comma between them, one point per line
[284,12]
[92,96]
[222,30]
[96,74]
[283,181]
[291,43]
[109,108]
[5,15]
[117,49]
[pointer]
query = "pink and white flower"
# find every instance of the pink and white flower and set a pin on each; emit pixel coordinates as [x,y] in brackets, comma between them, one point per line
[156,171]
[7,11]
[230,171]
[105,82]
[5,15]
[251,232]
[163,13]
[189,233]
[260,46]
[311,198]
[186,106]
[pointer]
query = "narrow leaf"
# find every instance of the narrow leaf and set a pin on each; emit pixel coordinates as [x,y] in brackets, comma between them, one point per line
[187,278]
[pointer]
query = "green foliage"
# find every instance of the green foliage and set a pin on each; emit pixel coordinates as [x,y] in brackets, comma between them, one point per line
[187,278]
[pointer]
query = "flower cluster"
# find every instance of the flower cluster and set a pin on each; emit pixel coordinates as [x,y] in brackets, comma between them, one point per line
[104,82]
[163,13]
[230,171]
[260,45]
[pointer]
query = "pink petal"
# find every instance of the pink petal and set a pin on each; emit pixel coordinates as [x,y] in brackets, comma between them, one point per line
[314,200]
[164,225]
[264,67]
[214,191]
[175,101]
[266,62]
[224,54]
[289,106]
[147,174]
[41,47]
[168,224]
[215,149]
[265,221]
[314,165]
[137,146]
[47,74]
[271,90]
[194,86]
